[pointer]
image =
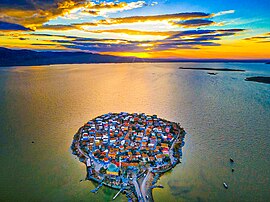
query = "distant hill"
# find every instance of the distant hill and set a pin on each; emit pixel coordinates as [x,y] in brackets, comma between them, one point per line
[10,57]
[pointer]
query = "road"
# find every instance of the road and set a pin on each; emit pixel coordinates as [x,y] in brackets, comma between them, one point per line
[171,149]
[143,186]
[137,188]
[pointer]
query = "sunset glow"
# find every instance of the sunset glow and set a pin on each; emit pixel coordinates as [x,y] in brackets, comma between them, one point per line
[146,29]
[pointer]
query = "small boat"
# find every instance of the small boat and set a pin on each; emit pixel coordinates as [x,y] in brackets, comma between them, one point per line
[231,160]
[225,185]
[160,186]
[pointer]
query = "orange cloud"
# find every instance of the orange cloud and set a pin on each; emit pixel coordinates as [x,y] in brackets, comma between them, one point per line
[167,17]
[134,19]
[136,32]
[36,13]
[263,38]
[105,7]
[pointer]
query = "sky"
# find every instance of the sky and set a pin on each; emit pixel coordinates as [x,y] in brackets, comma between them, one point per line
[173,29]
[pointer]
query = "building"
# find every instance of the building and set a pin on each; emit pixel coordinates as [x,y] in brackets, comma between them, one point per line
[112,170]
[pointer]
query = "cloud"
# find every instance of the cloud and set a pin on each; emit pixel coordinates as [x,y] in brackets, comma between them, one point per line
[53,35]
[224,13]
[120,33]
[154,3]
[34,13]
[102,9]
[263,38]
[167,17]
[5,26]
[196,33]
[191,39]
[58,27]
[132,19]
[135,32]
[112,7]
[194,23]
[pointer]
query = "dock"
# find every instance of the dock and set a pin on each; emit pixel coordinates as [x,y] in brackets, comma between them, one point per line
[97,188]
[117,193]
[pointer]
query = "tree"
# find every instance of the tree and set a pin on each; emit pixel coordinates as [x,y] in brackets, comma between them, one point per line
[102,170]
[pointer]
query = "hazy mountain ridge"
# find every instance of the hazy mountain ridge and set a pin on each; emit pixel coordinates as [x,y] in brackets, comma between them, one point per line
[10,57]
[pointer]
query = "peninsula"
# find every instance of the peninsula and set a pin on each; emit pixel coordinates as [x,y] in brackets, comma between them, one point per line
[129,152]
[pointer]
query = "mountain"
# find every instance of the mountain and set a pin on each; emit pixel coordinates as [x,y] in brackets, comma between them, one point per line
[10,57]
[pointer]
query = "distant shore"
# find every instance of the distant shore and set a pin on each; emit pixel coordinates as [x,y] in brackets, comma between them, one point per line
[213,69]
[11,58]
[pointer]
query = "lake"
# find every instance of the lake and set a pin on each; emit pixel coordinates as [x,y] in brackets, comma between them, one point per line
[224,115]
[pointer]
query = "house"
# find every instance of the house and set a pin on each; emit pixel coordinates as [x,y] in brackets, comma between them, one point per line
[128,148]
[159,158]
[145,139]
[151,159]
[112,140]
[88,162]
[170,137]
[124,164]
[105,140]
[145,157]
[148,131]
[144,144]
[85,138]
[138,154]
[165,151]
[112,155]
[164,145]
[106,160]
[138,139]
[140,135]
[133,165]
[151,146]
[98,136]
[121,148]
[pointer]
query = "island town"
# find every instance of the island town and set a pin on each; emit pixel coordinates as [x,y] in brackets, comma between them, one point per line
[129,152]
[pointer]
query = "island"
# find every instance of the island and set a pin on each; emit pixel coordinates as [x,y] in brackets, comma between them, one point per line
[212,73]
[129,152]
[213,69]
[259,79]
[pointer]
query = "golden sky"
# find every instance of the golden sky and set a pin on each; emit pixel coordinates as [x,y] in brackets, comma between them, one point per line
[148,29]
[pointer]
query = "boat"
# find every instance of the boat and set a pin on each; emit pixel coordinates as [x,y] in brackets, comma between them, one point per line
[231,160]
[225,185]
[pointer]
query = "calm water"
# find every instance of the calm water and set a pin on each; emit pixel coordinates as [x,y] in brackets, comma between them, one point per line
[224,115]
